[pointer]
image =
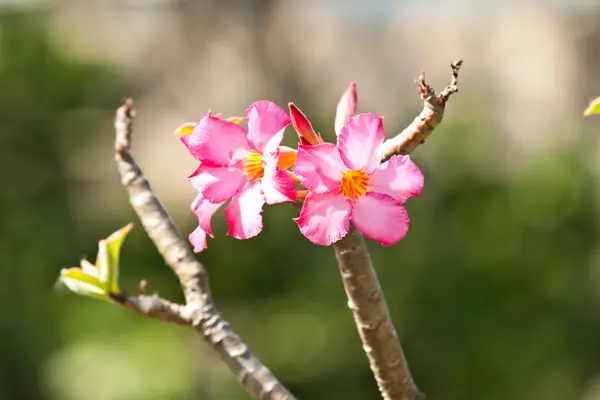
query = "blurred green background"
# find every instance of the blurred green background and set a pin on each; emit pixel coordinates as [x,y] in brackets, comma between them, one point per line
[495,292]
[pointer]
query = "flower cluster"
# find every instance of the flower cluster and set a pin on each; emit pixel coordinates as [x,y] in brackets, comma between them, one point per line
[339,183]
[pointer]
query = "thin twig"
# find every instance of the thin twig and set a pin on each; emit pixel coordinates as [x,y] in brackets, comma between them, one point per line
[200,309]
[433,111]
[365,297]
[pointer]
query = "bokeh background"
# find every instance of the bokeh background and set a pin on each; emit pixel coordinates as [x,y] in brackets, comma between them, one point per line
[495,292]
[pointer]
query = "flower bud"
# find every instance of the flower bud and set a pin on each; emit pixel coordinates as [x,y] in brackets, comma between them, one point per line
[346,108]
[306,133]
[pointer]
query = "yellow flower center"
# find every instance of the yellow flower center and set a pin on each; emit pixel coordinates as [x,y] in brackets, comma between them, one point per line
[253,166]
[354,184]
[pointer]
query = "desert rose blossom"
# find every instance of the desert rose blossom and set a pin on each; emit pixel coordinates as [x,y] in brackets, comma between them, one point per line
[347,183]
[246,167]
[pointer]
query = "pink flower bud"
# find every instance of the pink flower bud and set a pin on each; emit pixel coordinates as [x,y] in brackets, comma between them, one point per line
[306,133]
[346,107]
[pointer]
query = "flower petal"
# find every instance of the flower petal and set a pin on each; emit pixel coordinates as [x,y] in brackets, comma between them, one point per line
[360,142]
[217,183]
[325,218]
[82,284]
[235,120]
[346,107]
[244,212]
[204,210]
[287,157]
[213,140]
[320,168]
[398,177]
[277,185]
[198,239]
[265,120]
[381,218]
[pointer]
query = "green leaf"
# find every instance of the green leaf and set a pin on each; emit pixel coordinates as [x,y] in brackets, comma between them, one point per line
[83,284]
[593,108]
[109,250]
[88,268]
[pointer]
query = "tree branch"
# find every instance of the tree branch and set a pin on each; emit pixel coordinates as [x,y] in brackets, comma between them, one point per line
[153,307]
[200,310]
[365,297]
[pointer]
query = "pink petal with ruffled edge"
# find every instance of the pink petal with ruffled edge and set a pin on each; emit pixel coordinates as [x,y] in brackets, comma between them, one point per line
[277,185]
[204,210]
[325,218]
[381,218]
[265,120]
[198,240]
[213,140]
[244,212]
[320,168]
[217,183]
[398,177]
[360,142]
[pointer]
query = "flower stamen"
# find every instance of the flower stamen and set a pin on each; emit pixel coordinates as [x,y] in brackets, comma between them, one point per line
[253,166]
[354,184]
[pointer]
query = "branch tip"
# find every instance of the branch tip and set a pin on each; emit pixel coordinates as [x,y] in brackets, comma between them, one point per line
[433,111]
[455,67]
[142,287]
[453,87]
[123,126]
[424,89]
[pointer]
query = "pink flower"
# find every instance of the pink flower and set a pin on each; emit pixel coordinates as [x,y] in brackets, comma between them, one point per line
[347,183]
[247,168]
